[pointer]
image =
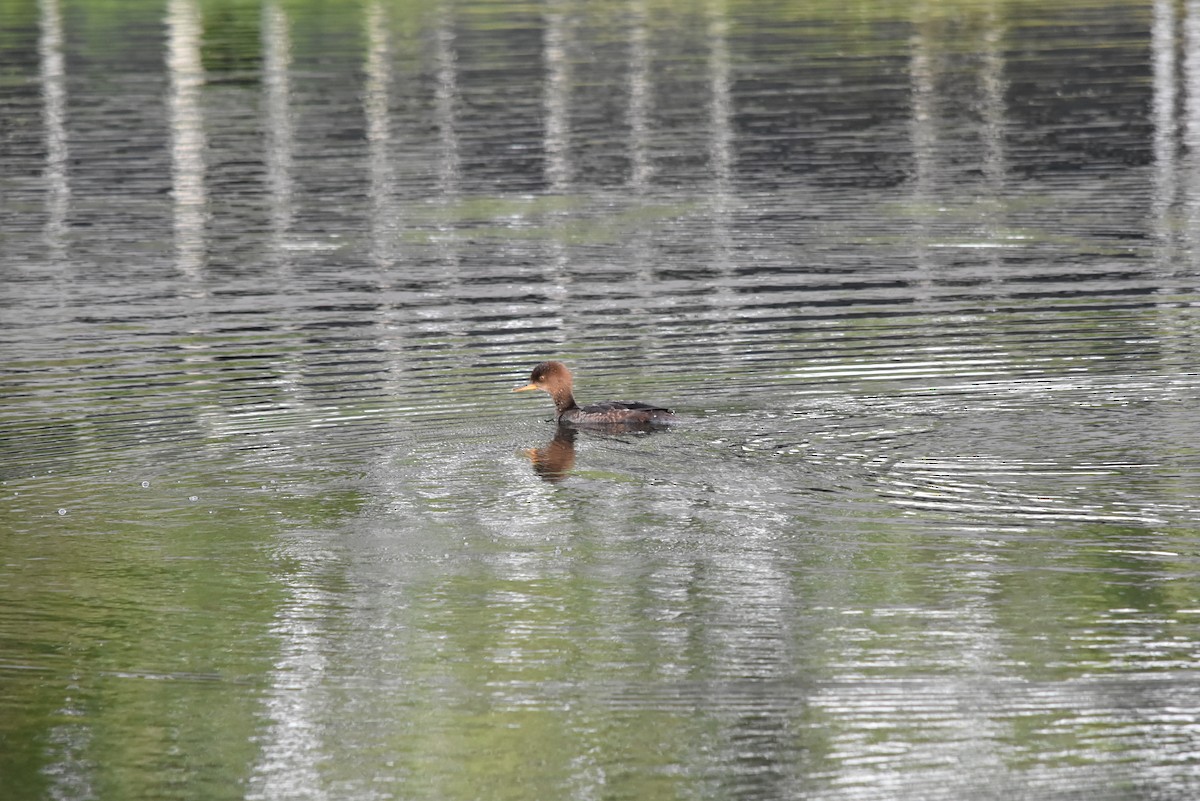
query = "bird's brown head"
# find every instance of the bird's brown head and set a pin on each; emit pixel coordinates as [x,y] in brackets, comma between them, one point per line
[552,377]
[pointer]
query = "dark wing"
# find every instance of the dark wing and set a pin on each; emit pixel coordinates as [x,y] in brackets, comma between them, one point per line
[618,406]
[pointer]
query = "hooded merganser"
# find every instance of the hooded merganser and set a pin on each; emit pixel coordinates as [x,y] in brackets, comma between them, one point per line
[555,378]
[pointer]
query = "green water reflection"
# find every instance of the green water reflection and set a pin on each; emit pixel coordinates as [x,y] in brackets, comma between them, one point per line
[149,635]
[268,528]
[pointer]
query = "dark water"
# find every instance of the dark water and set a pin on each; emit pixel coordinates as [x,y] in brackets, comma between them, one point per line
[921,280]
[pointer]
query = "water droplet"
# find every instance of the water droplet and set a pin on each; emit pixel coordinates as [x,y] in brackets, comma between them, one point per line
[145,484]
[62,511]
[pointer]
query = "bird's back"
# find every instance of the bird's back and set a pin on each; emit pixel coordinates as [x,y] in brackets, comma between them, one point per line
[619,412]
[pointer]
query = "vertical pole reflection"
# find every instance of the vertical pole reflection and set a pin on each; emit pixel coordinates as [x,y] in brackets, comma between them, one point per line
[1189,237]
[1163,37]
[1191,126]
[280,144]
[639,96]
[184,32]
[54,117]
[557,97]
[995,163]
[379,135]
[640,245]
[293,739]
[720,157]
[1166,93]
[720,105]
[556,103]
[1191,75]
[280,155]
[993,108]
[922,130]
[446,106]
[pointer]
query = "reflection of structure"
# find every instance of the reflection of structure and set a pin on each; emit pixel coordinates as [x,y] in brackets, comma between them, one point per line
[1167,32]
[184,31]
[941,182]
[994,163]
[446,110]
[376,95]
[291,734]
[554,144]
[446,103]
[992,107]
[640,96]
[280,141]
[1166,94]
[720,156]
[941,176]
[720,109]
[557,98]
[1191,68]
[1175,199]
[54,115]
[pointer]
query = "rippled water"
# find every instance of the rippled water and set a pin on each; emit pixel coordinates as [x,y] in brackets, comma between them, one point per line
[920,281]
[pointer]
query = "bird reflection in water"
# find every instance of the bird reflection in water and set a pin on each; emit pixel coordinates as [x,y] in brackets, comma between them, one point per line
[553,462]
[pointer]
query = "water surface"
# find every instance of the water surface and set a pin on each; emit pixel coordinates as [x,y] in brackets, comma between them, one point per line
[920,281]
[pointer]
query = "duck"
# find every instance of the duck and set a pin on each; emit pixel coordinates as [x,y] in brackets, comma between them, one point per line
[555,379]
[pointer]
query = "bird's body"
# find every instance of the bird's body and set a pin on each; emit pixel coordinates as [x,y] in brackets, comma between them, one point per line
[555,379]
